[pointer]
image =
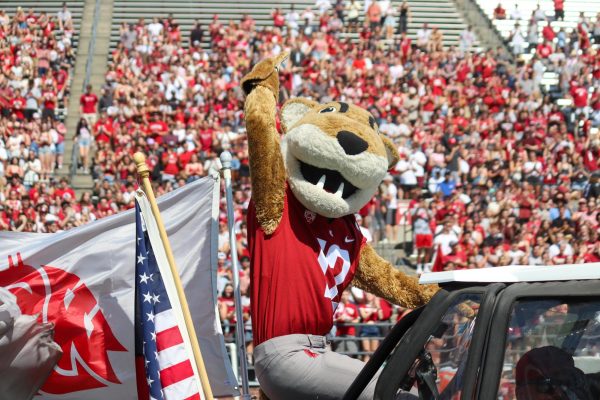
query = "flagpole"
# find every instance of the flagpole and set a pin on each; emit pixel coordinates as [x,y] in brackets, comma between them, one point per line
[239,318]
[144,175]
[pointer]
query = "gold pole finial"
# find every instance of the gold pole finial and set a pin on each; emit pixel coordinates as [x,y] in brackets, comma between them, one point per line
[140,163]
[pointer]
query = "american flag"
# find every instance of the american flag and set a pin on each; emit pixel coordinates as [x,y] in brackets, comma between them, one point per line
[168,368]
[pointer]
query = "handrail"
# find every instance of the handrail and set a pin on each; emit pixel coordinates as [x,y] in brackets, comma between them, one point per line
[360,324]
[473,7]
[92,45]
[86,81]
[407,227]
[74,160]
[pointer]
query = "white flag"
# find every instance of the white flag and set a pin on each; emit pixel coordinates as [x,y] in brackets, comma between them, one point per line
[82,280]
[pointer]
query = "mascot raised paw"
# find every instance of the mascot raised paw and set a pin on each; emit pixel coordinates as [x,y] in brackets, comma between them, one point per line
[305,244]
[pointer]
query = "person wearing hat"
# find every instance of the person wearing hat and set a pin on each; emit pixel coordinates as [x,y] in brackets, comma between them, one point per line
[456,259]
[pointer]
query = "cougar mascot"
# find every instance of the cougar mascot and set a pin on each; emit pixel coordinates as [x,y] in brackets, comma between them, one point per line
[305,244]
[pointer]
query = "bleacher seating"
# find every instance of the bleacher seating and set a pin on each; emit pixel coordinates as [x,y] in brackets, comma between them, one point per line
[442,14]
[572,10]
[51,7]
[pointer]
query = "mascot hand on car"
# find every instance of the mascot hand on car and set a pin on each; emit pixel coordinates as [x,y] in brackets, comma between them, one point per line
[305,244]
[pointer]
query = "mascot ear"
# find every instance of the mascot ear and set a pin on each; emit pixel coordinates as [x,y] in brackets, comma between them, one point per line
[294,109]
[391,151]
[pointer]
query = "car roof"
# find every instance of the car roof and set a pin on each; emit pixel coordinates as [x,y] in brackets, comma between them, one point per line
[516,273]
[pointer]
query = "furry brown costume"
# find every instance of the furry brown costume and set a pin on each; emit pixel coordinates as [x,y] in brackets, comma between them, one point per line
[340,143]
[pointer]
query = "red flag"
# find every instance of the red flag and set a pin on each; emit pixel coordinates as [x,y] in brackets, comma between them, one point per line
[438,261]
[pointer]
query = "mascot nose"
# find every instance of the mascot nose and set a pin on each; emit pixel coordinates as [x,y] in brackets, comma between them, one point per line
[351,143]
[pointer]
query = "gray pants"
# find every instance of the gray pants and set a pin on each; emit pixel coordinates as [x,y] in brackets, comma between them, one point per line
[303,367]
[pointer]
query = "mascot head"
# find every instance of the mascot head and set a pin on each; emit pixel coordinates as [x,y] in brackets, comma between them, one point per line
[334,155]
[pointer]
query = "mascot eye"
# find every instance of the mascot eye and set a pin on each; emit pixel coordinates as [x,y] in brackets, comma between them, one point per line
[328,109]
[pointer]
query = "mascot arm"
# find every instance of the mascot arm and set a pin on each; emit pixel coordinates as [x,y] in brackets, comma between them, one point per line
[377,276]
[267,171]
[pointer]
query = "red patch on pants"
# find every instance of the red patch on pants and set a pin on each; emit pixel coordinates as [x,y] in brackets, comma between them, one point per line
[310,353]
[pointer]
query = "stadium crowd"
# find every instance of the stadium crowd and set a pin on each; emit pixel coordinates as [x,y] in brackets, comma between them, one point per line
[492,170]
[37,57]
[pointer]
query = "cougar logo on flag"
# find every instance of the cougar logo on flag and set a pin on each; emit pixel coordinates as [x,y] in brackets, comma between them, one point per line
[81,330]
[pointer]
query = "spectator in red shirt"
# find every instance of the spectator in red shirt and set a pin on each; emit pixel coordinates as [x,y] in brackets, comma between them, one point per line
[64,192]
[456,259]
[17,104]
[548,33]
[157,128]
[499,12]
[88,106]
[49,102]
[559,10]
[370,313]
[580,96]
[227,311]
[544,49]
[346,313]
[103,129]
[171,165]
[278,18]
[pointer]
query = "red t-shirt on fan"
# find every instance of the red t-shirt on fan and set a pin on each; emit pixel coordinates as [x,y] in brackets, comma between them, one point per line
[299,272]
[350,311]
[88,103]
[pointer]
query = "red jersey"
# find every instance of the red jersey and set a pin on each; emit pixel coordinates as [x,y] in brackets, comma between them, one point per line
[230,304]
[544,50]
[580,96]
[18,104]
[49,99]
[346,313]
[88,103]
[300,271]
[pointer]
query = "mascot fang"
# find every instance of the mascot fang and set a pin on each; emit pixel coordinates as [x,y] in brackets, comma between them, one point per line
[306,247]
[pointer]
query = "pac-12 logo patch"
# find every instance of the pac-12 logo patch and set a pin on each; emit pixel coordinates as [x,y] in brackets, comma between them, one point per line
[309,216]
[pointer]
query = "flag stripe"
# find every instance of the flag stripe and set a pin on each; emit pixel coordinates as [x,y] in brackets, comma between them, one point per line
[172,356]
[165,320]
[167,359]
[168,338]
[194,397]
[176,373]
[185,389]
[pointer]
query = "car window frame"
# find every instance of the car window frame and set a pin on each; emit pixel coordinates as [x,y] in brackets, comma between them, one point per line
[493,357]
[414,340]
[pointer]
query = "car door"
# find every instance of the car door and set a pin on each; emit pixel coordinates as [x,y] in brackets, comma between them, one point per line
[543,343]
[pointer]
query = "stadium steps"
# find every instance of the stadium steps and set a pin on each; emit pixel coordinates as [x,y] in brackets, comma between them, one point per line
[80,181]
[442,14]
[485,31]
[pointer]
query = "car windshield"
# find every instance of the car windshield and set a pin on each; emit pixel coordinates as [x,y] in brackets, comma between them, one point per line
[449,345]
[552,351]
